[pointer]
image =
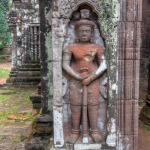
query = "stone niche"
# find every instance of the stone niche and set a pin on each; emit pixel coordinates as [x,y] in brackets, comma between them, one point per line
[117,31]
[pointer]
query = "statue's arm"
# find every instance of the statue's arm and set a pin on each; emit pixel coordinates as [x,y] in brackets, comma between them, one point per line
[66,66]
[101,69]
[102,64]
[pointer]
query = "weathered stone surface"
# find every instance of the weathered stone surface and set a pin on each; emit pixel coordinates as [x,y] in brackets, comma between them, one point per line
[87,146]
[42,129]
[44,118]
[126,41]
[37,144]
[58,127]
[24,23]
[46,56]
[35,98]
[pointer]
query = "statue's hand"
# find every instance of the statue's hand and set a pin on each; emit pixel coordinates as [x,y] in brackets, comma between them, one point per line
[78,76]
[89,80]
[86,81]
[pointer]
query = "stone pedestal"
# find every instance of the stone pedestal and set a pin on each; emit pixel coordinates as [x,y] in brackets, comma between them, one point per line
[89,146]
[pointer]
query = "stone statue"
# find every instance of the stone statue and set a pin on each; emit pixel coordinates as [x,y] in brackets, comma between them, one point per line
[84,62]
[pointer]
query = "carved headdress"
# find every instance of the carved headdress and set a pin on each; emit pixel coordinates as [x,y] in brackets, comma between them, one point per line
[84,22]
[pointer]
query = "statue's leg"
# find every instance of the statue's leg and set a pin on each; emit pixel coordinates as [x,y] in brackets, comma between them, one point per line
[76,117]
[75,101]
[92,113]
[93,106]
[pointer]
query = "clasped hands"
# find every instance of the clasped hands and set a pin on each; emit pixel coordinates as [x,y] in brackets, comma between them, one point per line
[86,79]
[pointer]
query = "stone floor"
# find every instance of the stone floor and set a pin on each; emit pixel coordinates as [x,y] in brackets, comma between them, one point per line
[144,137]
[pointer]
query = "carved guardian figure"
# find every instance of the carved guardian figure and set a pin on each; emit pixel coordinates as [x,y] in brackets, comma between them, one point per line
[84,62]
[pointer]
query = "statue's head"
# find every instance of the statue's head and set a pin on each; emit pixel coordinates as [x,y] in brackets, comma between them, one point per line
[84,30]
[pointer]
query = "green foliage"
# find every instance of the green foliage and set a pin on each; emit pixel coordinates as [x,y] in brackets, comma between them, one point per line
[5,35]
[4,73]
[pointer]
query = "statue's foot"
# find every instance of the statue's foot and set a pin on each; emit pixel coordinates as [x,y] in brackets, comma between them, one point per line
[73,136]
[95,136]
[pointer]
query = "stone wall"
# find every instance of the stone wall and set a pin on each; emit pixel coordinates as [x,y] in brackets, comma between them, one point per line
[23,20]
[124,29]
[120,25]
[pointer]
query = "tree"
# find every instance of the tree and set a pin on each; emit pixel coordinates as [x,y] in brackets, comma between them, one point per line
[5,35]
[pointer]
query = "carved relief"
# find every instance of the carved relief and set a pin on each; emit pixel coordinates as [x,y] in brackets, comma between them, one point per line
[65,34]
[84,83]
[59,30]
[59,27]
[66,7]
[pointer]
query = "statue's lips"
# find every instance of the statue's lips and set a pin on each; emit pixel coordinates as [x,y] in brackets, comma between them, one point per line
[85,38]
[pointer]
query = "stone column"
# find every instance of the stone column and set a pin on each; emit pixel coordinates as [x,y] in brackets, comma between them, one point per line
[12,24]
[129,33]
[145,48]
[46,57]
[14,48]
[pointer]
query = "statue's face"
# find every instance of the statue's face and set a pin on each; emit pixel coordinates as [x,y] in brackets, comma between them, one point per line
[84,33]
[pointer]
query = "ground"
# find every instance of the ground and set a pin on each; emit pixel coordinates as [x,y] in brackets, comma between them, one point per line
[16,115]
[144,137]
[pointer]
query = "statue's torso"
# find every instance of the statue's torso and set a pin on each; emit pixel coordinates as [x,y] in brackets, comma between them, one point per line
[85,56]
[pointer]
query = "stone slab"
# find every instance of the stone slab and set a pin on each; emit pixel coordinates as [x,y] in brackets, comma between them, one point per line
[94,146]
[87,146]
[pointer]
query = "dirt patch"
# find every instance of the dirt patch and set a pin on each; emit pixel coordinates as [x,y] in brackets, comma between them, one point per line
[3,81]
[144,137]
[6,65]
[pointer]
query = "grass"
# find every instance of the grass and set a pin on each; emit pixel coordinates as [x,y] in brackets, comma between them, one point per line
[13,102]
[4,73]
[2,58]
[4,98]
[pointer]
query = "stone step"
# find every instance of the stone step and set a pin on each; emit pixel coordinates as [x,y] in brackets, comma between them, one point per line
[31,66]
[26,79]
[29,69]
[13,72]
[39,88]
[37,106]
[36,101]
[29,73]
[13,75]
[35,98]
[23,84]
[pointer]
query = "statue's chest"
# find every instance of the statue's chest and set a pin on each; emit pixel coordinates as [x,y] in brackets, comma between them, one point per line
[86,53]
